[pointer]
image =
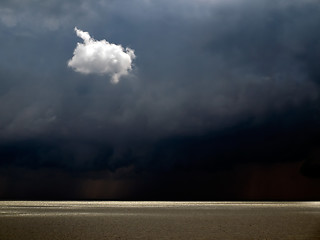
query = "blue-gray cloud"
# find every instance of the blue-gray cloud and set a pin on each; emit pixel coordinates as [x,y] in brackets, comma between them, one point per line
[203,67]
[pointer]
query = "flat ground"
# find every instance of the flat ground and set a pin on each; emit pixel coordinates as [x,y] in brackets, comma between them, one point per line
[159,220]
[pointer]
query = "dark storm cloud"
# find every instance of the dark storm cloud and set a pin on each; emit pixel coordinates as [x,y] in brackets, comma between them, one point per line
[212,77]
[33,16]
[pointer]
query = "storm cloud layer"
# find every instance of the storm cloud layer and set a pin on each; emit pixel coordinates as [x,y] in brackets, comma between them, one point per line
[101,57]
[215,84]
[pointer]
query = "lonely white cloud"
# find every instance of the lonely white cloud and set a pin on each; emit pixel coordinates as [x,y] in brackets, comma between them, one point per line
[101,57]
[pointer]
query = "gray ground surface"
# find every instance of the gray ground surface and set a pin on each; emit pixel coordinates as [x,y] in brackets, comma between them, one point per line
[159,220]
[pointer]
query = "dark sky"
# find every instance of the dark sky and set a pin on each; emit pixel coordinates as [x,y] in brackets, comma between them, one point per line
[221,102]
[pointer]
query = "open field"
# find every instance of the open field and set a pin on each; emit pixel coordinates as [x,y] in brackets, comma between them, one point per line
[159,220]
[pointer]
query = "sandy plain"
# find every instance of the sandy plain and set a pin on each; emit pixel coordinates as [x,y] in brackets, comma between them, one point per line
[159,220]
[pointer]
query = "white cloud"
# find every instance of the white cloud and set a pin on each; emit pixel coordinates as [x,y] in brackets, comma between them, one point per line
[101,57]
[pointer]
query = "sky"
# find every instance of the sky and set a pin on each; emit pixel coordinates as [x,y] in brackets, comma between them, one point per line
[160,100]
